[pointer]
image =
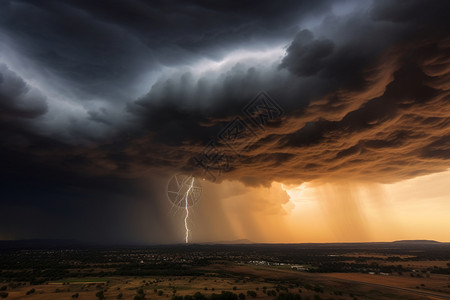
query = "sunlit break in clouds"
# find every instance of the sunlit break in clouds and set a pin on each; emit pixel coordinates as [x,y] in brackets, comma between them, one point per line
[301,121]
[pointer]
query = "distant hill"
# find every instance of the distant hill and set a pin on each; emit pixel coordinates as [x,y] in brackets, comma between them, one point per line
[72,243]
[415,242]
[39,243]
[233,242]
[400,242]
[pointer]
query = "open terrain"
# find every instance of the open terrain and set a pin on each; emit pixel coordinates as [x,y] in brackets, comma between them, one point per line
[227,272]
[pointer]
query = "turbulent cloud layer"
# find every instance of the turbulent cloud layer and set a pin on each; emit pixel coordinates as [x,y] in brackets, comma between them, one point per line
[130,89]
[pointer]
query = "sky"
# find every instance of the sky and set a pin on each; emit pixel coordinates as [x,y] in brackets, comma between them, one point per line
[302,121]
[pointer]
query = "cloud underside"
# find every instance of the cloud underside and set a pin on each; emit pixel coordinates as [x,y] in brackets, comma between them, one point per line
[365,95]
[394,126]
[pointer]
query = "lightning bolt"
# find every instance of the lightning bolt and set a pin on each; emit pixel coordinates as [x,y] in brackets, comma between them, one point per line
[187,210]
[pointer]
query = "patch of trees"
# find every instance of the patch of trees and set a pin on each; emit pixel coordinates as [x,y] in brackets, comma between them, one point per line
[439,270]
[140,294]
[156,270]
[251,294]
[100,295]
[31,291]
[288,296]
[225,295]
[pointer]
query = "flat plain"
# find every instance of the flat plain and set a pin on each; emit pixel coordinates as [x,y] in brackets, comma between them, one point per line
[228,272]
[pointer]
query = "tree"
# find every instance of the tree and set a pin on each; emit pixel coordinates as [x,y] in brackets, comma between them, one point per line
[141,293]
[199,296]
[318,289]
[228,296]
[31,291]
[251,294]
[271,293]
[214,296]
[100,295]
[288,296]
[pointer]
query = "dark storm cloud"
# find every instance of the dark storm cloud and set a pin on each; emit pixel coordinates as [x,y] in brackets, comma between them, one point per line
[103,48]
[134,89]
[17,98]
[370,72]
[20,104]
[306,56]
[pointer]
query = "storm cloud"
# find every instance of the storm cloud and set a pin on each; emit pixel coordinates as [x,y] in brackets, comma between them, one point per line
[132,90]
